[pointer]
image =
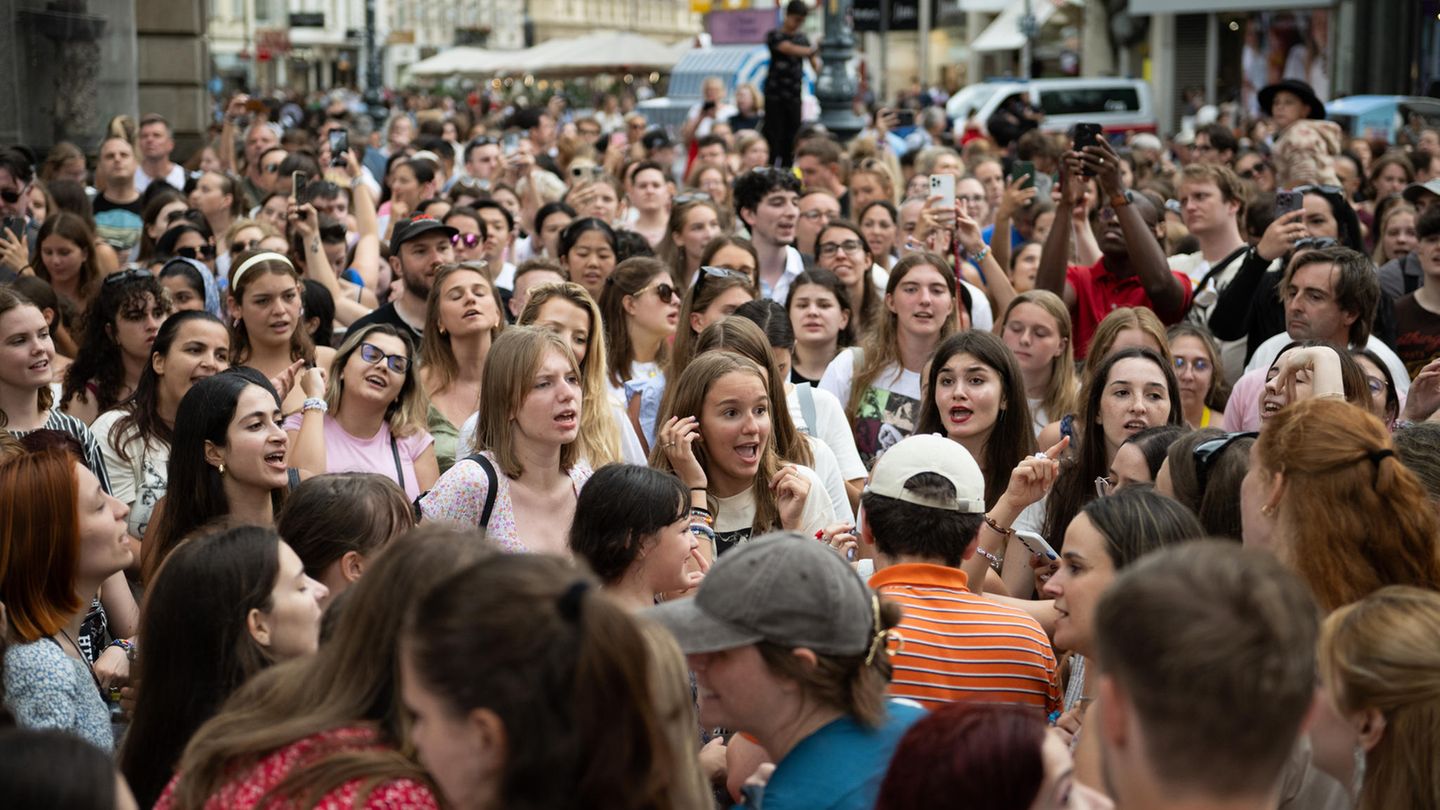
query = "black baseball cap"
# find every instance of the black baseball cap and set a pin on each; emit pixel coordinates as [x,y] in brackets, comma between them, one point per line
[417,225]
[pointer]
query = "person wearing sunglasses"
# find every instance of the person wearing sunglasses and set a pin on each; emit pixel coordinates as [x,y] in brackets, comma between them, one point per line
[367,414]
[640,310]
[470,236]
[1254,169]
[187,240]
[1203,470]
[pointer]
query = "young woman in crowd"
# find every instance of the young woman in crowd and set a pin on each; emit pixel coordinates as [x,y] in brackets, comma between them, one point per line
[462,318]
[568,311]
[879,222]
[1036,328]
[694,222]
[65,257]
[184,285]
[880,384]
[523,488]
[984,755]
[218,197]
[974,393]
[1384,401]
[602,198]
[135,437]
[269,334]
[1395,234]
[587,251]
[872,181]
[753,151]
[715,182]
[1324,457]
[735,253]
[814,680]
[329,729]
[641,311]
[550,221]
[62,536]
[841,248]
[227,458]
[224,606]
[632,528]
[1140,458]
[1389,175]
[120,326]
[716,435]
[1312,369]
[1203,470]
[1201,375]
[820,315]
[27,355]
[367,414]
[1024,264]
[337,523]
[539,628]
[43,296]
[1376,727]
[165,208]
[1130,390]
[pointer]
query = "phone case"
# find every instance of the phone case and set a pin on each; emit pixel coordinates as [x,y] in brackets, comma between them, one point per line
[943,186]
[1036,544]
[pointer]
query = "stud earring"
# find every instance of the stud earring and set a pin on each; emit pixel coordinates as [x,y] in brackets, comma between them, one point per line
[1267,510]
[222,469]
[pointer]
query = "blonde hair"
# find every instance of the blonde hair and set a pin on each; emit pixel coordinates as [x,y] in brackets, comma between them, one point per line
[882,345]
[689,400]
[406,415]
[509,372]
[1102,342]
[1380,653]
[1062,392]
[599,435]
[437,357]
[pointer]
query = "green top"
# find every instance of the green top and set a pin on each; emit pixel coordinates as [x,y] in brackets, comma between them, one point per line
[447,438]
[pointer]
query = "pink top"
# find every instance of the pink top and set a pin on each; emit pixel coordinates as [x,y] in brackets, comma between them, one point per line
[346,453]
[1242,410]
[246,792]
[459,495]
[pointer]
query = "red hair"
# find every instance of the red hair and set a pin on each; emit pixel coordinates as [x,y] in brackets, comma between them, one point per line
[980,756]
[39,542]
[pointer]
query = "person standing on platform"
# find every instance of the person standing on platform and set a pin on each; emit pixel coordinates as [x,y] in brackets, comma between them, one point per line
[783,88]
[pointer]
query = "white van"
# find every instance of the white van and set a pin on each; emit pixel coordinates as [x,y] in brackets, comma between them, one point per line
[1120,106]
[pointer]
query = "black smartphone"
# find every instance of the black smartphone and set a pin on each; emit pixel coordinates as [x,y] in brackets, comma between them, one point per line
[16,226]
[1287,201]
[904,118]
[339,145]
[1087,135]
[1025,169]
[297,182]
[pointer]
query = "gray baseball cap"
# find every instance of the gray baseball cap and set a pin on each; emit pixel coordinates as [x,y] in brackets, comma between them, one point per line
[783,588]
[1415,191]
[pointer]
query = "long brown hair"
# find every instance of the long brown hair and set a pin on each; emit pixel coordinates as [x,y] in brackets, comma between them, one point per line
[509,374]
[1343,482]
[689,400]
[629,278]
[882,344]
[437,358]
[673,254]
[351,680]
[869,310]
[12,299]
[708,287]
[74,228]
[301,347]
[406,413]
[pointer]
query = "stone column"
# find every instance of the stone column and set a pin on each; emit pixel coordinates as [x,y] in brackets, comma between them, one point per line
[173,66]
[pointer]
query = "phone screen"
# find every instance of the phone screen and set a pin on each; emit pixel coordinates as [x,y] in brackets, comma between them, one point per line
[1087,135]
[297,182]
[339,145]
[904,118]
[16,226]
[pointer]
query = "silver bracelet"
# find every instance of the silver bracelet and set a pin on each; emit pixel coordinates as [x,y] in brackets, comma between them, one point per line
[314,404]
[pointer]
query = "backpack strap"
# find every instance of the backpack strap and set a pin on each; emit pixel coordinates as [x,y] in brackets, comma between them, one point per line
[806,395]
[494,486]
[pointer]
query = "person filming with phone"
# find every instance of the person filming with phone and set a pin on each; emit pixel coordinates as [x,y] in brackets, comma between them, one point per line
[1132,271]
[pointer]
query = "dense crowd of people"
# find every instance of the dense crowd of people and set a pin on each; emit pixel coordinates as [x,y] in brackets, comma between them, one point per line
[533,458]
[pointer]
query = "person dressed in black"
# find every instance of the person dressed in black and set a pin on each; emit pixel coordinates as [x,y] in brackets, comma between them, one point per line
[788,46]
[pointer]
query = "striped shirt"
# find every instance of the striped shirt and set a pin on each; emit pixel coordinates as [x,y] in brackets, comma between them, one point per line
[959,646]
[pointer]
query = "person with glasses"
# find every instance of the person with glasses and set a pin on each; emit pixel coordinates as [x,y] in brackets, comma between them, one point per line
[641,310]
[818,208]
[120,326]
[841,248]
[470,238]
[187,240]
[367,414]
[694,222]
[1214,144]
[1202,385]
[1132,269]
[1384,402]
[1255,169]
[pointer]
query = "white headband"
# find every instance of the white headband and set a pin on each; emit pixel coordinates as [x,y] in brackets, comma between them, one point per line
[267,256]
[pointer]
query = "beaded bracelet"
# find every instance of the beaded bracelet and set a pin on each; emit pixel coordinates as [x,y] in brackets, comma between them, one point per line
[995,562]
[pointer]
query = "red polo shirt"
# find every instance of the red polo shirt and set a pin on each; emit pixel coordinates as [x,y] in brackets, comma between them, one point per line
[1098,291]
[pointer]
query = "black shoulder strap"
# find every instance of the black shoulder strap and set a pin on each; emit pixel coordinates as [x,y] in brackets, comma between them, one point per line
[494,485]
[395,453]
[1217,269]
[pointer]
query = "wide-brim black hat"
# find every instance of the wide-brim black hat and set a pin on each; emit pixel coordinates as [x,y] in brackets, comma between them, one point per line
[1305,92]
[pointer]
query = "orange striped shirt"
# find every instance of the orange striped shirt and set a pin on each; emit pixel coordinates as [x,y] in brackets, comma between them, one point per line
[959,646]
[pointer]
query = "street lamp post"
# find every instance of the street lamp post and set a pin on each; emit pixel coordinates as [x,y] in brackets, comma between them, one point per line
[833,87]
[373,81]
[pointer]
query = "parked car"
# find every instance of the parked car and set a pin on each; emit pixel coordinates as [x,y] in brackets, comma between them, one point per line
[1383,116]
[1120,106]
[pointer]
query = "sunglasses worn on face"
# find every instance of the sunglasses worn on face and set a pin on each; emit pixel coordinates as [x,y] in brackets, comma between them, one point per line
[204,251]
[1207,452]
[1258,168]
[372,354]
[469,240]
[664,292]
[13,197]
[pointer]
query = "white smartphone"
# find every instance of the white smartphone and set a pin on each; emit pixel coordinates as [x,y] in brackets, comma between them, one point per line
[943,186]
[1037,545]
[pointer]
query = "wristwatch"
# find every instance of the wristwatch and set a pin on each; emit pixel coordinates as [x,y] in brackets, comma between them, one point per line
[1122,199]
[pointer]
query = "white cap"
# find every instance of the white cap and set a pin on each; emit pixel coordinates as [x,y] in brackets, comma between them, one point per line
[930,454]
